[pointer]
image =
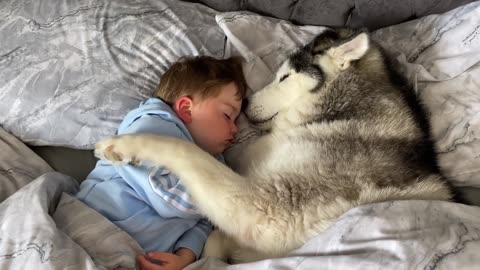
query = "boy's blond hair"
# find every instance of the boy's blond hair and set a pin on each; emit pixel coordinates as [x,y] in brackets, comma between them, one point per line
[200,76]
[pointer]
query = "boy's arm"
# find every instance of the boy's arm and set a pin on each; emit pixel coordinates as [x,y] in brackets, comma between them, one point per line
[195,238]
[166,261]
[187,256]
[187,250]
[138,176]
[152,124]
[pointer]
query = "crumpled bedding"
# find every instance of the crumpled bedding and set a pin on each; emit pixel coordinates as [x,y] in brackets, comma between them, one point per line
[18,165]
[43,227]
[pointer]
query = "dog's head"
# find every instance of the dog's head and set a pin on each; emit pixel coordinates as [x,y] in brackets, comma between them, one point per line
[306,71]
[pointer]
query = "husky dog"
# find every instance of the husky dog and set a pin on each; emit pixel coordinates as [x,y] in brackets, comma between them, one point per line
[342,130]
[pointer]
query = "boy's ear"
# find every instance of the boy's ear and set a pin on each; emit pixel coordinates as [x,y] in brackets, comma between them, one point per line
[183,108]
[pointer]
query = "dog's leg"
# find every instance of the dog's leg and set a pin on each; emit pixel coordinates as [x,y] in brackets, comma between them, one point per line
[216,246]
[227,249]
[222,195]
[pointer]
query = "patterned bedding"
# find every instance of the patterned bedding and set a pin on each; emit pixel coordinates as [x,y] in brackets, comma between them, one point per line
[71,74]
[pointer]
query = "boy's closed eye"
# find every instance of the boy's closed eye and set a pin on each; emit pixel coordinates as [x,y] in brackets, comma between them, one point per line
[231,112]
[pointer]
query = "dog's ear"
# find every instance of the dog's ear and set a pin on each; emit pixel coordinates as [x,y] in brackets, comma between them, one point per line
[351,50]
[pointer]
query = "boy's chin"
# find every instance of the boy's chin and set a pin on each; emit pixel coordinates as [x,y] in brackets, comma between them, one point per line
[218,150]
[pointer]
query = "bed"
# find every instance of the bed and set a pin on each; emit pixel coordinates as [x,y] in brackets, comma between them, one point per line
[71,70]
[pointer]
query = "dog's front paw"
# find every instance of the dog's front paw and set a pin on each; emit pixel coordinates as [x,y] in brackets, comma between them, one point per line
[118,150]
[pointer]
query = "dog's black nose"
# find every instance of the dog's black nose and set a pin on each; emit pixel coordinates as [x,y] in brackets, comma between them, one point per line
[244,104]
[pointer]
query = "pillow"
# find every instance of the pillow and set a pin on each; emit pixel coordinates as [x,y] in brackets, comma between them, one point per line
[440,55]
[351,13]
[18,165]
[71,70]
[263,43]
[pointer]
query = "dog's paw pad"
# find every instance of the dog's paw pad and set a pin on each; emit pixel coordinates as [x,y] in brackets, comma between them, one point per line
[111,155]
[135,162]
[112,151]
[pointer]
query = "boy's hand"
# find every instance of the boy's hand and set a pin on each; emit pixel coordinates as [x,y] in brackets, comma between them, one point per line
[168,261]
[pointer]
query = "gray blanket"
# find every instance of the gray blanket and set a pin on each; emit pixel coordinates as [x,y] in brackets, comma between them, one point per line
[45,228]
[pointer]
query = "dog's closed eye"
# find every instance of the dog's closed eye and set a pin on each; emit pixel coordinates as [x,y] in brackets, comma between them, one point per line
[284,77]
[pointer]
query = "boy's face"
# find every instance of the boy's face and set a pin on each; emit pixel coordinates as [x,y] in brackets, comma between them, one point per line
[213,120]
